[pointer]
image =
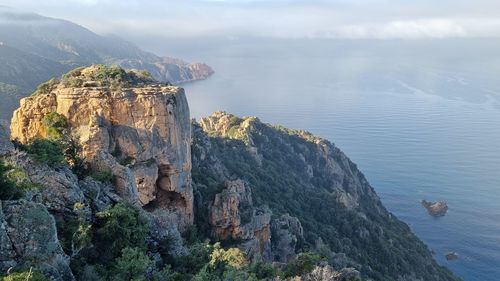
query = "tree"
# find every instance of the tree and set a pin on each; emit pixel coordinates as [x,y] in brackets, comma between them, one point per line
[47,151]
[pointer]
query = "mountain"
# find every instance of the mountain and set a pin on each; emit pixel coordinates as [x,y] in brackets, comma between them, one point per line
[34,48]
[109,179]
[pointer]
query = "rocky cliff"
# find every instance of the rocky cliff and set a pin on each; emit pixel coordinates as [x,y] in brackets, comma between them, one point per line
[318,199]
[108,170]
[141,133]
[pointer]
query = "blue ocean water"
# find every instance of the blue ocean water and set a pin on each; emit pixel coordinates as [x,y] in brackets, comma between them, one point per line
[421,120]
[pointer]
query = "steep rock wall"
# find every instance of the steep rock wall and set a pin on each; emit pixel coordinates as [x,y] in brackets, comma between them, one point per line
[142,134]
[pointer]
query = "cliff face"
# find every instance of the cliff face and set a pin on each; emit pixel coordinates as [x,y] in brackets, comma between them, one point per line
[317,196]
[141,133]
[290,202]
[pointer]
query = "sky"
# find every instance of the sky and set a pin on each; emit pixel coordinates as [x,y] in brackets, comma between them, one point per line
[352,19]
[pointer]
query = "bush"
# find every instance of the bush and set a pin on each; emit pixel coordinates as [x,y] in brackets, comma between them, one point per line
[46,88]
[132,265]
[302,264]
[14,182]
[105,176]
[233,257]
[29,275]
[47,151]
[54,125]
[8,188]
[117,228]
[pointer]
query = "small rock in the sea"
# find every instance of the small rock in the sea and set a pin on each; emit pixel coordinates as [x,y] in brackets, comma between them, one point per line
[436,209]
[451,256]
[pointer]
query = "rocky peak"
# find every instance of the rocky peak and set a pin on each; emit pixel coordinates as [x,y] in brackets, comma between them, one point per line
[126,123]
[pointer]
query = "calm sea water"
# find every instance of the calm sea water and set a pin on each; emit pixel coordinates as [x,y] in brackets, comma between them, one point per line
[421,120]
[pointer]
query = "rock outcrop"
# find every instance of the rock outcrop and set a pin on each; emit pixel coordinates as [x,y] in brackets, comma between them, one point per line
[286,235]
[435,209]
[139,130]
[327,273]
[28,237]
[234,217]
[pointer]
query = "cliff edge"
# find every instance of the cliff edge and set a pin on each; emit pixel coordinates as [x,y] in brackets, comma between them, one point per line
[125,123]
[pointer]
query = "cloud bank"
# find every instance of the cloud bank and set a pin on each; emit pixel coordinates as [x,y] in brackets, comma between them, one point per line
[352,19]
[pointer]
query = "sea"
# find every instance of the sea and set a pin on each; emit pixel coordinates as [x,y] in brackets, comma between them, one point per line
[421,118]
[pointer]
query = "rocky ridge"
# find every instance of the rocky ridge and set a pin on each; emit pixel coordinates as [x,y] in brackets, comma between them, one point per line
[271,196]
[317,197]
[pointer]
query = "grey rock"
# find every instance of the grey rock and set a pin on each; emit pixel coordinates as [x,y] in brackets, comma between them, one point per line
[30,236]
[286,232]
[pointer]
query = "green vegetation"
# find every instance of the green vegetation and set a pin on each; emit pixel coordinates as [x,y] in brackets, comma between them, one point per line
[59,147]
[120,227]
[105,176]
[54,125]
[101,75]
[383,246]
[8,188]
[47,151]
[46,88]
[131,265]
[302,264]
[28,275]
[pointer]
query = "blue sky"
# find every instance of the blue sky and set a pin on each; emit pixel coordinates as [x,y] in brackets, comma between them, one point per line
[354,19]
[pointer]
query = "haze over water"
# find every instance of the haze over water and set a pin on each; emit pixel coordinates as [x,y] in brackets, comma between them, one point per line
[420,118]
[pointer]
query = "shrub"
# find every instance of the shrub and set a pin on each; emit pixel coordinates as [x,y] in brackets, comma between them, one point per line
[54,125]
[302,264]
[233,257]
[263,271]
[131,265]
[8,188]
[29,275]
[47,151]
[105,176]
[117,228]
[46,88]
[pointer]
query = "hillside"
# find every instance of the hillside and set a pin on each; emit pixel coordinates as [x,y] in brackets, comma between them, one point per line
[34,48]
[107,179]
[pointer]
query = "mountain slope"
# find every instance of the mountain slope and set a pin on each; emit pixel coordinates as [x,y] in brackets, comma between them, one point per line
[34,48]
[296,173]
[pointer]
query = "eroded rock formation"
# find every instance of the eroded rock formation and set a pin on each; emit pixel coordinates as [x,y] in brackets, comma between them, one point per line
[139,131]
[234,217]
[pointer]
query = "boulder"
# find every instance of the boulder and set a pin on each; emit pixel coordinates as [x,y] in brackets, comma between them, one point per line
[435,209]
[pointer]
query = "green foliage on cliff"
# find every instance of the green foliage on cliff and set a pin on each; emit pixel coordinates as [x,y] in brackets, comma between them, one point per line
[14,182]
[105,176]
[28,275]
[46,87]
[47,151]
[54,125]
[8,188]
[101,75]
[120,227]
[292,173]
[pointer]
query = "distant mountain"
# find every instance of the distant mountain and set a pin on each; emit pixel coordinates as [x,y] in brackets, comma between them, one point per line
[34,48]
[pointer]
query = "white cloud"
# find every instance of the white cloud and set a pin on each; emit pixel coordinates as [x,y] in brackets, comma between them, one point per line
[382,19]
